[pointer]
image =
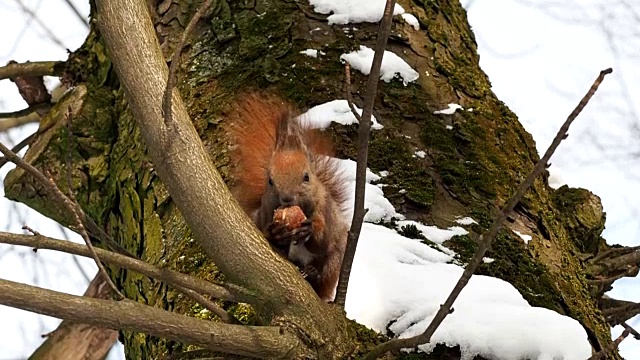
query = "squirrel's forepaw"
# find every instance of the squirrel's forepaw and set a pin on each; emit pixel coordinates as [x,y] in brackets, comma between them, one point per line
[310,273]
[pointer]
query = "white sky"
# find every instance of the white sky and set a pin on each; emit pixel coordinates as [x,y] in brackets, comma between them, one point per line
[539,65]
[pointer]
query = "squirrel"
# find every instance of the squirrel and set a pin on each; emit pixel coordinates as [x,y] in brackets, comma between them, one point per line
[280,163]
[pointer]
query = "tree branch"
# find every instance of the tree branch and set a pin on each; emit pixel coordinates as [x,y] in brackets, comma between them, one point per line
[364,127]
[261,342]
[42,68]
[27,111]
[486,238]
[208,207]
[218,223]
[347,90]
[77,341]
[170,277]
[21,145]
[73,207]
[611,347]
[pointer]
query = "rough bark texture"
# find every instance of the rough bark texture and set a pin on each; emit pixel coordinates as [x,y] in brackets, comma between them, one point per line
[470,170]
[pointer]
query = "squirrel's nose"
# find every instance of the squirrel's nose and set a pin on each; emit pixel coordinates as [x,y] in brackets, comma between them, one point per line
[286,200]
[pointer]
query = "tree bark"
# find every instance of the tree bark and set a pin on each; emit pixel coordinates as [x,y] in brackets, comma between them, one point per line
[470,169]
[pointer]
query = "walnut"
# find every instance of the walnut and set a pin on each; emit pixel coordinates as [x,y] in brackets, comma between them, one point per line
[292,217]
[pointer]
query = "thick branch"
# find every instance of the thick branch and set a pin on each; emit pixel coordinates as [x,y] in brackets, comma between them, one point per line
[208,207]
[486,238]
[167,276]
[41,68]
[364,127]
[260,342]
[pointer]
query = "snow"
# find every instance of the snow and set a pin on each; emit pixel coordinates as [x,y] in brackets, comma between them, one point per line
[312,53]
[466,221]
[397,284]
[421,154]
[451,108]
[379,207]
[411,20]
[434,233]
[392,64]
[524,237]
[338,111]
[352,11]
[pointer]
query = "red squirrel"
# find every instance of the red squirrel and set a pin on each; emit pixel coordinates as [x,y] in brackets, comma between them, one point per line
[279,163]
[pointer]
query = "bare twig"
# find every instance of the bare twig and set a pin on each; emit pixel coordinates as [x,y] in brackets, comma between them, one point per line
[170,277]
[13,122]
[269,342]
[208,304]
[175,61]
[75,10]
[611,347]
[25,112]
[21,145]
[74,208]
[29,229]
[364,128]
[485,239]
[42,25]
[347,90]
[42,68]
[632,331]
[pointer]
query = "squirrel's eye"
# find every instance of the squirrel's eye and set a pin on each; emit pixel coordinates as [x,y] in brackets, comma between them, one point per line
[306,177]
[270,182]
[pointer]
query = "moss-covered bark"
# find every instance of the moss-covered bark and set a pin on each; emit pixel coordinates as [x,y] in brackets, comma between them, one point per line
[470,169]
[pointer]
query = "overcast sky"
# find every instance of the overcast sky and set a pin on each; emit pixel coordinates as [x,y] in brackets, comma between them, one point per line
[540,56]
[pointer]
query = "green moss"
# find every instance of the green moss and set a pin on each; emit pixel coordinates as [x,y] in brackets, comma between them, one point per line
[405,171]
[365,339]
[513,263]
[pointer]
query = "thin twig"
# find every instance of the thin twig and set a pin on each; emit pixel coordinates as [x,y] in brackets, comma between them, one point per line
[75,10]
[33,232]
[208,304]
[633,331]
[175,61]
[78,214]
[10,123]
[42,25]
[611,347]
[364,127]
[167,276]
[16,149]
[485,239]
[39,68]
[25,112]
[75,210]
[347,90]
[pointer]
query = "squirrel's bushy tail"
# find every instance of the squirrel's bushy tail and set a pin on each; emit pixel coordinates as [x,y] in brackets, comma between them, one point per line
[252,129]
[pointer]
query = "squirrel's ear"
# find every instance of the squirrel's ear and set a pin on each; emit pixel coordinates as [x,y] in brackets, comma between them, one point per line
[289,134]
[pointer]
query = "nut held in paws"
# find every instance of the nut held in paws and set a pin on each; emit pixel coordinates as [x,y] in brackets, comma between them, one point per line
[292,217]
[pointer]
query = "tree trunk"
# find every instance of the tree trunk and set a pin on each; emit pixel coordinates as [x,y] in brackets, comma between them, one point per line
[475,159]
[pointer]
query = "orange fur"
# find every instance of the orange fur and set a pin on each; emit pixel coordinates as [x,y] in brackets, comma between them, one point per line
[259,156]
